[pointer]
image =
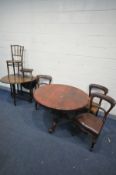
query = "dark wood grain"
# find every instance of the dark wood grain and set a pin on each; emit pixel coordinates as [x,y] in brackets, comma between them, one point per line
[17,79]
[61,97]
[27,81]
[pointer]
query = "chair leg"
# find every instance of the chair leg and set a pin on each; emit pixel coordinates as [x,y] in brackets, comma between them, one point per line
[21,87]
[14,68]
[92,146]
[22,70]
[11,90]
[93,143]
[31,95]
[14,93]
[8,68]
[17,87]
[18,68]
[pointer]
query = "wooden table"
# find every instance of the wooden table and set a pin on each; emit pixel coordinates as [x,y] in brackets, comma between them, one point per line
[61,98]
[16,80]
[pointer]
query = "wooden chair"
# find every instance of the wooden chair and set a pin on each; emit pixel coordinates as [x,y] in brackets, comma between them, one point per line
[91,123]
[99,89]
[17,58]
[26,71]
[43,80]
[27,88]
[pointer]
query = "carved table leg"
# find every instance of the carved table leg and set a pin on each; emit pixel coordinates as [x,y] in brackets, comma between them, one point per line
[55,121]
[53,127]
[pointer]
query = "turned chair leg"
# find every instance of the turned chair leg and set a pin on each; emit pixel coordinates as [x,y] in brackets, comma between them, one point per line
[31,95]
[93,143]
[14,69]
[18,69]
[8,69]
[11,90]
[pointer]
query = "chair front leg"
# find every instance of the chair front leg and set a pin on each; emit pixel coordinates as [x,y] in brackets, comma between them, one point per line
[94,139]
[14,68]
[8,68]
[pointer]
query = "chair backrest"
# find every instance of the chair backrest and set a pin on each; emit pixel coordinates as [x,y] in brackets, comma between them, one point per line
[106,106]
[43,79]
[97,88]
[17,52]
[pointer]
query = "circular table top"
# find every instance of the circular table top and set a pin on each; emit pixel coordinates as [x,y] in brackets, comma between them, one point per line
[17,79]
[61,97]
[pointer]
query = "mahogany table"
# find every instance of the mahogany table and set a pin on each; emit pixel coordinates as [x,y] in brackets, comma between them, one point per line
[16,80]
[61,98]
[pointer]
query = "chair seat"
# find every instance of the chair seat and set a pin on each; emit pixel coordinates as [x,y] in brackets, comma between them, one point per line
[92,123]
[30,85]
[15,61]
[26,70]
[45,77]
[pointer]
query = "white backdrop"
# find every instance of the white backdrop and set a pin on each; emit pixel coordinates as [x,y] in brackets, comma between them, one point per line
[72,40]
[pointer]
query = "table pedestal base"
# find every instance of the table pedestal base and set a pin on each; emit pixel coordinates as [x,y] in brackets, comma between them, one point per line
[59,116]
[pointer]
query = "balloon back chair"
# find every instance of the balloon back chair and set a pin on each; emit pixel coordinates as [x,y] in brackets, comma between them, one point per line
[91,123]
[93,88]
[43,80]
